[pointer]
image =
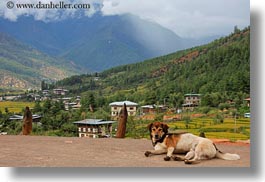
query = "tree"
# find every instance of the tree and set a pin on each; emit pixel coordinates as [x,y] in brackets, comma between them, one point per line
[92,102]
[37,107]
[47,106]
[6,110]
[57,106]
[44,85]
[88,102]
[236,30]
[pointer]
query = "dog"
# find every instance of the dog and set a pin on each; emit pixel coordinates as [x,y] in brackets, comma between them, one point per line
[196,148]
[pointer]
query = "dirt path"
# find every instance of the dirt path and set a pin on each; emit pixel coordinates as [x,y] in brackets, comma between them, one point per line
[40,151]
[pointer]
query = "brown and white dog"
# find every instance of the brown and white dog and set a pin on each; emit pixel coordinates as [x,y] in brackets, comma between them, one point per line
[196,148]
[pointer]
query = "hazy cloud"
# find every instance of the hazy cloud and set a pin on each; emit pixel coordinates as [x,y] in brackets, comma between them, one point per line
[187,18]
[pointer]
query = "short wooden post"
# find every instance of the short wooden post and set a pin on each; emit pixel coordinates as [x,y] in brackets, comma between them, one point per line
[27,122]
[123,115]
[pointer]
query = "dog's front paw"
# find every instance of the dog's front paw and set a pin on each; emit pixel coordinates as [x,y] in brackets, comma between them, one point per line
[147,153]
[187,161]
[176,158]
[167,158]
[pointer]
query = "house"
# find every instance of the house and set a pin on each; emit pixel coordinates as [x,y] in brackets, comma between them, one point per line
[45,92]
[37,97]
[76,104]
[191,101]
[148,109]
[248,101]
[60,91]
[151,109]
[72,105]
[94,128]
[35,118]
[117,106]
[247,115]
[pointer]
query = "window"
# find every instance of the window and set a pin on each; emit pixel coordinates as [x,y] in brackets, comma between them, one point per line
[79,129]
[95,130]
[84,129]
[131,108]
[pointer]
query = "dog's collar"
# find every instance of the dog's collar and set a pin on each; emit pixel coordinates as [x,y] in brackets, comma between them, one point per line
[160,140]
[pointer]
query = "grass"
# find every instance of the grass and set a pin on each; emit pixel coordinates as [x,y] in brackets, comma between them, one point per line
[225,130]
[14,106]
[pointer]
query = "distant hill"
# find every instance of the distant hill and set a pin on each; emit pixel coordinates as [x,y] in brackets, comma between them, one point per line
[99,42]
[220,71]
[22,67]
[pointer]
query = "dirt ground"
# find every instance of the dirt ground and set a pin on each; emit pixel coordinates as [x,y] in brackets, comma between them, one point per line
[43,151]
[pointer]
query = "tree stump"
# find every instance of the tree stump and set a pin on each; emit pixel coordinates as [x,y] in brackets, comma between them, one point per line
[123,115]
[27,122]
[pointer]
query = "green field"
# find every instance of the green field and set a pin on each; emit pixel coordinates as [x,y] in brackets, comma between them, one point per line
[232,129]
[15,107]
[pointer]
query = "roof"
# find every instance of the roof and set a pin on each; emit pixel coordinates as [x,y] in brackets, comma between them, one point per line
[192,95]
[248,99]
[121,103]
[19,117]
[94,122]
[148,106]
[189,104]
[60,89]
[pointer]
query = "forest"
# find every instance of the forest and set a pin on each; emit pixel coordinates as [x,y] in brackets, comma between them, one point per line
[219,71]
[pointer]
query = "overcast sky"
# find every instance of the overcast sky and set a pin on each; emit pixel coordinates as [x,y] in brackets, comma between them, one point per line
[187,18]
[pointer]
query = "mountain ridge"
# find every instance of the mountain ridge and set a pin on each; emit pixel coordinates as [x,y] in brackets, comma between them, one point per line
[24,67]
[99,42]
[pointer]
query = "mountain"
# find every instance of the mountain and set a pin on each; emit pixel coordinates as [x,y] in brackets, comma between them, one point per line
[99,42]
[220,71]
[23,67]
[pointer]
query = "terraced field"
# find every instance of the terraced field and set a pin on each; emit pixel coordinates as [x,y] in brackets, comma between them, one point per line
[15,107]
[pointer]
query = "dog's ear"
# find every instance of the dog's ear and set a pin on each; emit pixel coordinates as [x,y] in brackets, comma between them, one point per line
[165,127]
[150,126]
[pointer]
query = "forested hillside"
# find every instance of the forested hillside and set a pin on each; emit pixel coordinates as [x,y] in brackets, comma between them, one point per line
[220,71]
[22,67]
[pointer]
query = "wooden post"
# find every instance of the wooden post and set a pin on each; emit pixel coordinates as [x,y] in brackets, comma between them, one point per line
[27,122]
[123,115]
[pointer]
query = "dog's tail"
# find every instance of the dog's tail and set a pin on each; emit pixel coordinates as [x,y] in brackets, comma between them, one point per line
[226,156]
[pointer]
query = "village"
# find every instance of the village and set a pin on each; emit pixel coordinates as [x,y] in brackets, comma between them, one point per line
[96,127]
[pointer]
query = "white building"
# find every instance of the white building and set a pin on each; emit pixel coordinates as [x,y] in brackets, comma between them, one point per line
[60,91]
[94,128]
[117,106]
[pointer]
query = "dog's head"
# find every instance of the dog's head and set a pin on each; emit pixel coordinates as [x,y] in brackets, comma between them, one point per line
[157,130]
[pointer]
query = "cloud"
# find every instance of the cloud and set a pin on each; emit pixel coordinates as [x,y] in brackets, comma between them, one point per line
[187,18]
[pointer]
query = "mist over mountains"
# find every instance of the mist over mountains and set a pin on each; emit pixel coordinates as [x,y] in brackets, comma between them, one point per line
[98,42]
